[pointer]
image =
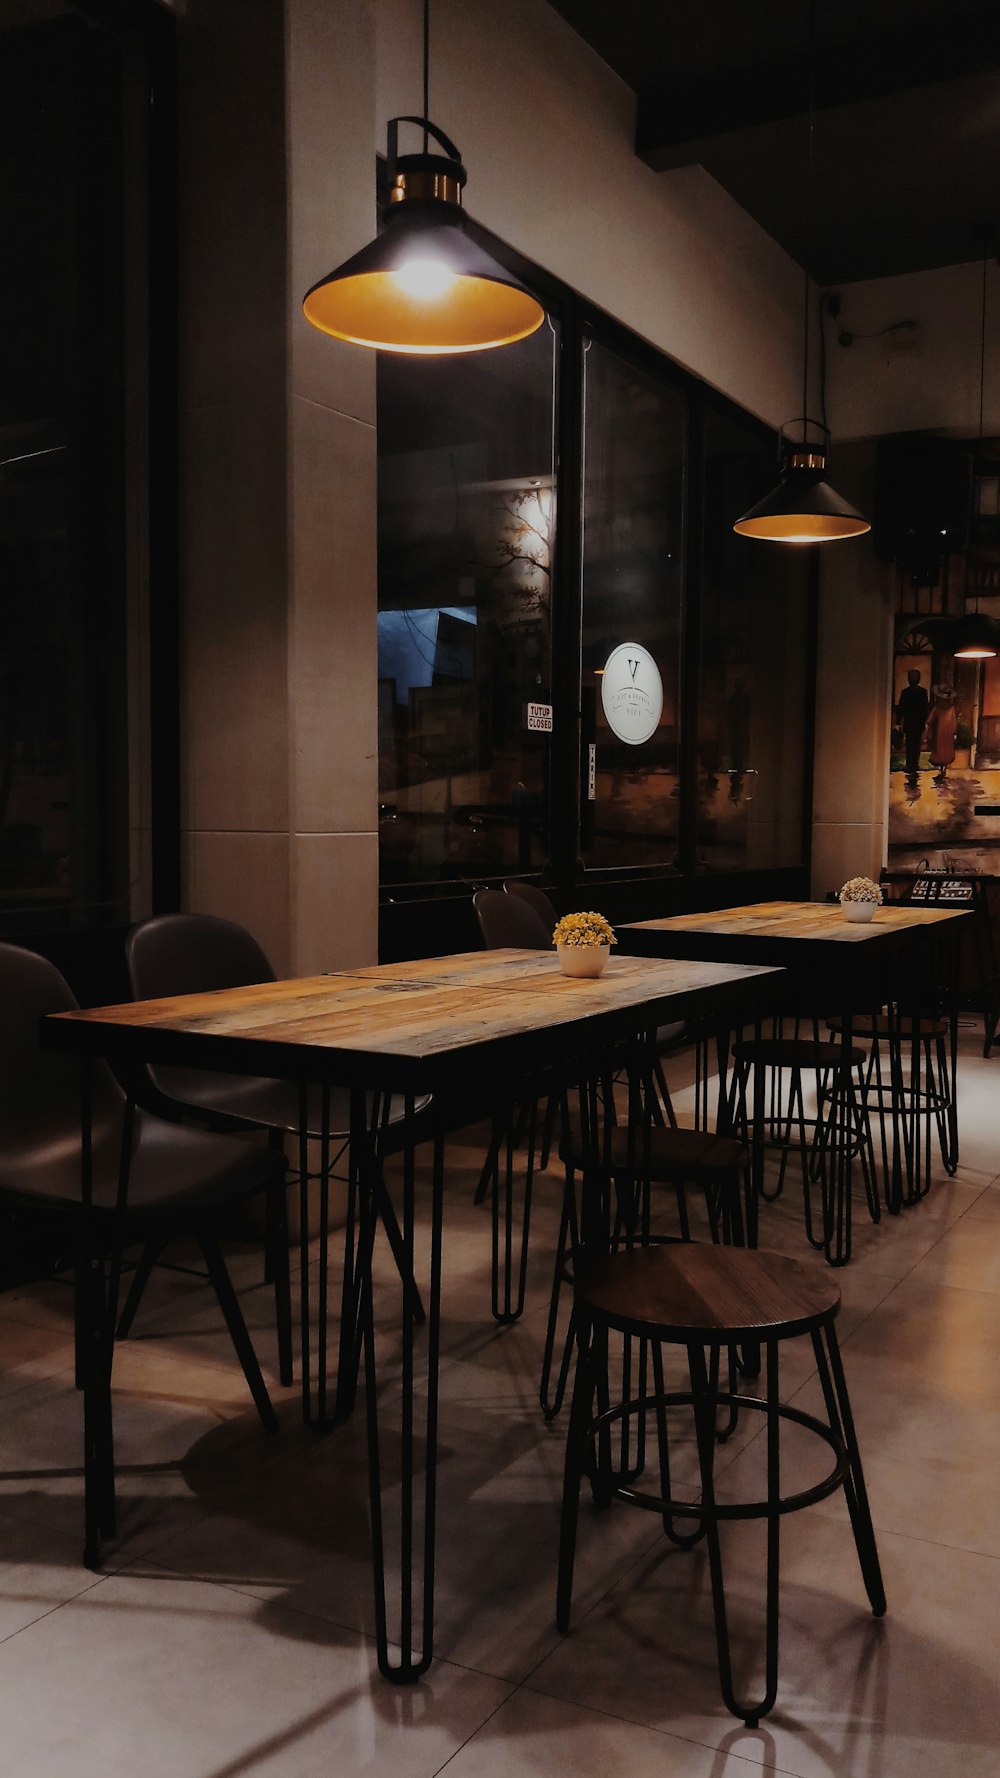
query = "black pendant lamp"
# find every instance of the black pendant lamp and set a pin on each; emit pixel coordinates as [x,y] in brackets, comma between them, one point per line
[423,286]
[974,637]
[803,508]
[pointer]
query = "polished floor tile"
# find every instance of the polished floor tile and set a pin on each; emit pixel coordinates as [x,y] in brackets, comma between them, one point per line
[231,1632]
[163,1676]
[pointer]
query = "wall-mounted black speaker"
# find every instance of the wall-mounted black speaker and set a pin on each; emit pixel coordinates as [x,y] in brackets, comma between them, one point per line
[923,495]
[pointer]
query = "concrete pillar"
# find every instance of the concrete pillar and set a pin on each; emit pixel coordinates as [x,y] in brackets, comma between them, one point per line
[277,478]
[332,637]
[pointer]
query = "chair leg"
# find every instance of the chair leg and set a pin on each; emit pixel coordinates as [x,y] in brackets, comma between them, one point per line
[565,1248]
[276,1270]
[489,1164]
[548,1128]
[140,1278]
[222,1284]
[394,1236]
[576,1447]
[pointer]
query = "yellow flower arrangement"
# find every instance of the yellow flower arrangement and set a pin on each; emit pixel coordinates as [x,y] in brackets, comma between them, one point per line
[581,930]
[860,889]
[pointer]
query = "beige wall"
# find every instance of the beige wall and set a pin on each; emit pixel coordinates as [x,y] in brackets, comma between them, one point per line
[933,384]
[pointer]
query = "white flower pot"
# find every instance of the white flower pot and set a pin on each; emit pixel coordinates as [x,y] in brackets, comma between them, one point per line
[858,910]
[582,959]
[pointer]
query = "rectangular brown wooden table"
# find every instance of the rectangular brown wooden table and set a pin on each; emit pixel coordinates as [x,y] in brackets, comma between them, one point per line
[439,1027]
[903,957]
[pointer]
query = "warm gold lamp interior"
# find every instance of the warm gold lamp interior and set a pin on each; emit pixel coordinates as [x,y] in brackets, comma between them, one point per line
[424,308]
[799,527]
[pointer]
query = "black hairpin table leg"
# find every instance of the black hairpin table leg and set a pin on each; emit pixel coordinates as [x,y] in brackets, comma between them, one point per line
[412,1532]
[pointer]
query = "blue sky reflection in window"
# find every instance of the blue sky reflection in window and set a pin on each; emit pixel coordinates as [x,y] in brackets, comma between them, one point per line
[430,645]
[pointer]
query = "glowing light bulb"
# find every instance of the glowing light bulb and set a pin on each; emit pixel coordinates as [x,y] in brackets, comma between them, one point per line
[425,279]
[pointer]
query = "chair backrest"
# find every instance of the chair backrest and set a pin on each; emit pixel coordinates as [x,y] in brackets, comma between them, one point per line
[537,899]
[189,954]
[192,954]
[504,920]
[39,1090]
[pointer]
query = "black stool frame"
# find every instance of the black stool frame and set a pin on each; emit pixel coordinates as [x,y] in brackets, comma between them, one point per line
[588,1453]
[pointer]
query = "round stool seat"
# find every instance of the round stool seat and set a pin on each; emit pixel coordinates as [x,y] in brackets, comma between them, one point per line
[662,1154]
[906,1026]
[710,1295]
[795,1052]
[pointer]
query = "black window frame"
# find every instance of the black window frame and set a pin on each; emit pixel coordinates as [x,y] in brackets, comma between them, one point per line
[430,918]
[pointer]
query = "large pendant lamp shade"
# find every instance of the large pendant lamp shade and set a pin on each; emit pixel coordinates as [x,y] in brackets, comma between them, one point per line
[423,286]
[803,508]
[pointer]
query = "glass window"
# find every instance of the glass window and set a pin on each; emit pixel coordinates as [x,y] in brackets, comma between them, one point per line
[63,753]
[466,529]
[752,691]
[633,502]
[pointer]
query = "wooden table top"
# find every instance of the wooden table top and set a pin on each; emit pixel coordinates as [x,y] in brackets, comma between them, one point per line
[820,921]
[408,1025]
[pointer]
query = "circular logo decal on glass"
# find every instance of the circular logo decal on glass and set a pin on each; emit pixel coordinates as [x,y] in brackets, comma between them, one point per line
[632,693]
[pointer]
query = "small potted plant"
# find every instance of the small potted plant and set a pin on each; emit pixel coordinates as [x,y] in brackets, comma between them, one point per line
[583,943]
[859,898]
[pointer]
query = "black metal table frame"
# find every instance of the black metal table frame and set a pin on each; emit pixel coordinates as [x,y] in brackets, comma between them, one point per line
[511,1057]
[890,971]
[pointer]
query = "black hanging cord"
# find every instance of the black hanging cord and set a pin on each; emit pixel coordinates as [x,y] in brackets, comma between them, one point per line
[977,466]
[427,64]
[822,363]
[982,352]
[809,206]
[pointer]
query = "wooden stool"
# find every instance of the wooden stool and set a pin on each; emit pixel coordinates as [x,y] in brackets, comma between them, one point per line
[840,1127]
[703,1297]
[922,1096]
[637,1162]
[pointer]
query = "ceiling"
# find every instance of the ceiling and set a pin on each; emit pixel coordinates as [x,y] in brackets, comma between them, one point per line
[906,117]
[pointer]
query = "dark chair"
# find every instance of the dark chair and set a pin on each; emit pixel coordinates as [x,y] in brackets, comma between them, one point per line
[508,921]
[180,1182]
[199,953]
[703,1298]
[534,898]
[638,1159]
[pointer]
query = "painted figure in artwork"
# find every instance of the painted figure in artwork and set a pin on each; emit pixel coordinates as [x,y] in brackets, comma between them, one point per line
[941,725]
[913,710]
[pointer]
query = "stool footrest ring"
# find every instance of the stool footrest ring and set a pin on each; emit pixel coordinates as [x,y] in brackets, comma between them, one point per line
[750,1509]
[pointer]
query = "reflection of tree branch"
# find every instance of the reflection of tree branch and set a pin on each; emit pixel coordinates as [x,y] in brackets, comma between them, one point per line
[516,548]
[512,553]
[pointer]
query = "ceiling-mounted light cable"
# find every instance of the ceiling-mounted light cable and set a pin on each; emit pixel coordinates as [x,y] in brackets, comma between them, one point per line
[423,286]
[974,637]
[803,508]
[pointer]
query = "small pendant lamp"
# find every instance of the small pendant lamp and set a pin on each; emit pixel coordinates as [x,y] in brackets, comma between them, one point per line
[974,637]
[803,508]
[423,286]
